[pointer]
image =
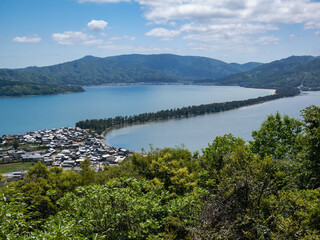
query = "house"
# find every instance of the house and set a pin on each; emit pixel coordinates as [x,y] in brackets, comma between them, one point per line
[15,176]
[32,157]
[68,163]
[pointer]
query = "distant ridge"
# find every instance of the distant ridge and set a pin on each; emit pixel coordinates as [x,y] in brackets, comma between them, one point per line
[294,71]
[134,68]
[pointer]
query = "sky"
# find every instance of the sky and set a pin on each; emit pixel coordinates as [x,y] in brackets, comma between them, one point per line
[47,32]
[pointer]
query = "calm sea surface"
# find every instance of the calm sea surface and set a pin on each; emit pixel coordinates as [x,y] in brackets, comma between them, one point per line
[23,114]
[195,133]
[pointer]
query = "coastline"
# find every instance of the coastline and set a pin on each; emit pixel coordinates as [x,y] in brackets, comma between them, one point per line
[255,102]
[142,84]
[40,95]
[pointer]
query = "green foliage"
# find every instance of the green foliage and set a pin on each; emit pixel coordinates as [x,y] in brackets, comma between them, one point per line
[239,207]
[171,168]
[87,173]
[14,220]
[215,154]
[311,122]
[296,214]
[123,209]
[278,136]
[41,188]
[15,143]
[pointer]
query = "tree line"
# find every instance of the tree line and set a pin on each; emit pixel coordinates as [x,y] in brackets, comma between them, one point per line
[101,125]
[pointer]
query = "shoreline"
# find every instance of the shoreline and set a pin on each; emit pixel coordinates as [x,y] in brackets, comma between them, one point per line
[144,84]
[256,102]
[42,95]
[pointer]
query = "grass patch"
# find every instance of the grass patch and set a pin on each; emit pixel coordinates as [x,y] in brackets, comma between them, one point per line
[13,167]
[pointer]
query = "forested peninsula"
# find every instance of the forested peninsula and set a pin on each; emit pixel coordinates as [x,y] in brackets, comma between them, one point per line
[101,125]
[19,89]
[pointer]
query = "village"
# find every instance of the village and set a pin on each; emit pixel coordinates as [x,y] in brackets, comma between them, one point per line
[65,147]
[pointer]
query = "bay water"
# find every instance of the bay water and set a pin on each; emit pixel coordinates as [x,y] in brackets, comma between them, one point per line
[196,133]
[22,114]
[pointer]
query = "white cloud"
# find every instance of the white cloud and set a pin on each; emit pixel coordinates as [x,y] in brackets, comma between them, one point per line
[24,39]
[97,25]
[267,40]
[312,25]
[125,37]
[239,47]
[222,34]
[95,42]
[70,37]
[293,36]
[223,28]
[104,1]
[163,33]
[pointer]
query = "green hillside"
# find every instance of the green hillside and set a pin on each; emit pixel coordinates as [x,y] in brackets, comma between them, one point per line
[186,67]
[294,71]
[163,68]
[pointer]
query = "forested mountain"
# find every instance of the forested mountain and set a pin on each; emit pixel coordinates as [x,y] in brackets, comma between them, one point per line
[294,71]
[186,67]
[16,88]
[165,68]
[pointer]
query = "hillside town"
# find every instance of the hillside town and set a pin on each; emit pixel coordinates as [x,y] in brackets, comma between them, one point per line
[65,147]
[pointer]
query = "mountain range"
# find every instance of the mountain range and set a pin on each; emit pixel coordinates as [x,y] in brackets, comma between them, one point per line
[135,68]
[294,71]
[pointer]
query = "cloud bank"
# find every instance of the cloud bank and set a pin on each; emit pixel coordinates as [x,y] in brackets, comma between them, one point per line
[228,23]
[71,37]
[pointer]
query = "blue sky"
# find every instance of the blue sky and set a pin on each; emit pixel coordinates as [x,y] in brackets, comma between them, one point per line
[46,32]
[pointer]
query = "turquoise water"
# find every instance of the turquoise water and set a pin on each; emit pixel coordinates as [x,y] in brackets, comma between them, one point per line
[195,133]
[23,114]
